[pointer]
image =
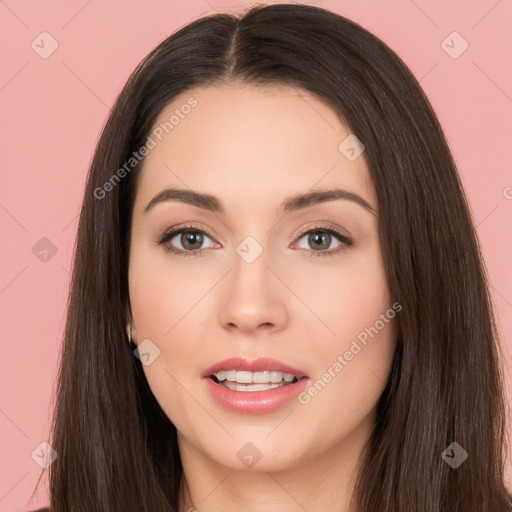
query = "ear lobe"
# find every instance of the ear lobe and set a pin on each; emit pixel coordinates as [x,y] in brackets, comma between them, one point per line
[131,333]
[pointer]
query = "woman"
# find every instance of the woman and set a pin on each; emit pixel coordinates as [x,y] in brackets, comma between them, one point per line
[254,375]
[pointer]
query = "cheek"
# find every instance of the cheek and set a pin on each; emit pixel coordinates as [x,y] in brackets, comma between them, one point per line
[351,378]
[168,385]
[355,349]
[166,308]
[159,307]
[161,293]
[347,295]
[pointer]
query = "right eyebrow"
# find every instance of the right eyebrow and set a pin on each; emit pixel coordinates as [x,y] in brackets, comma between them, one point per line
[205,201]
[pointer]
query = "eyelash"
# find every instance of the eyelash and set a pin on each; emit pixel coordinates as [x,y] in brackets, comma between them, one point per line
[345,241]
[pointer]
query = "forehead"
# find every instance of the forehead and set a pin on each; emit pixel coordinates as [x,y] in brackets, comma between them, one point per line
[250,142]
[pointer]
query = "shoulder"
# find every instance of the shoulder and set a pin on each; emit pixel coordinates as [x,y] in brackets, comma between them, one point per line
[44,509]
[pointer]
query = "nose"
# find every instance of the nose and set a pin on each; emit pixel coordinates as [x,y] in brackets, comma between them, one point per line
[253,298]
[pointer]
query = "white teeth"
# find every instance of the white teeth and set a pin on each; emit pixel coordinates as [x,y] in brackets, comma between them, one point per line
[235,386]
[276,376]
[244,377]
[229,375]
[261,377]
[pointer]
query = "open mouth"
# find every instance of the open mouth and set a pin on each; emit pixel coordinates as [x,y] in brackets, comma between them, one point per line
[253,381]
[272,385]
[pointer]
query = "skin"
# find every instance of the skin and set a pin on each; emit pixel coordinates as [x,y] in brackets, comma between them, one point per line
[252,147]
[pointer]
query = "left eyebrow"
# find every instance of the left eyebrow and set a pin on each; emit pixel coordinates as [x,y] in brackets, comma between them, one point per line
[292,203]
[300,201]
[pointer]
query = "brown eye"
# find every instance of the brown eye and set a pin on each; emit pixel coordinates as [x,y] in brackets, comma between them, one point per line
[186,241]
[319,241]
[191,240]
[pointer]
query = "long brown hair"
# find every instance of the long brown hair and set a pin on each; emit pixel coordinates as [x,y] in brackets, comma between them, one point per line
[118,451]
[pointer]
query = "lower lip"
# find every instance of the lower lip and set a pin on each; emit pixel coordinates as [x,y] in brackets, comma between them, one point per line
[254,402]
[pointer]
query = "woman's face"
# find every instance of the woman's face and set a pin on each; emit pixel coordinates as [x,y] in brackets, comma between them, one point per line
[257,280]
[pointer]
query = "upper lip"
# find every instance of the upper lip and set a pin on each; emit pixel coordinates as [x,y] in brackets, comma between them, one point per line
[252,365]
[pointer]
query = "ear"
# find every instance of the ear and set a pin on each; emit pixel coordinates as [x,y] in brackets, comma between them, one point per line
[130,327]
[134,334]
[131,332]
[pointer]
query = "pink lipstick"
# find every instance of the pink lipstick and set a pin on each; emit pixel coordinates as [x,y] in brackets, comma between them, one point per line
[253,386]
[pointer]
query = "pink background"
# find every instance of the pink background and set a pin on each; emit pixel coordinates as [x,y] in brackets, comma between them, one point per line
[53,110]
